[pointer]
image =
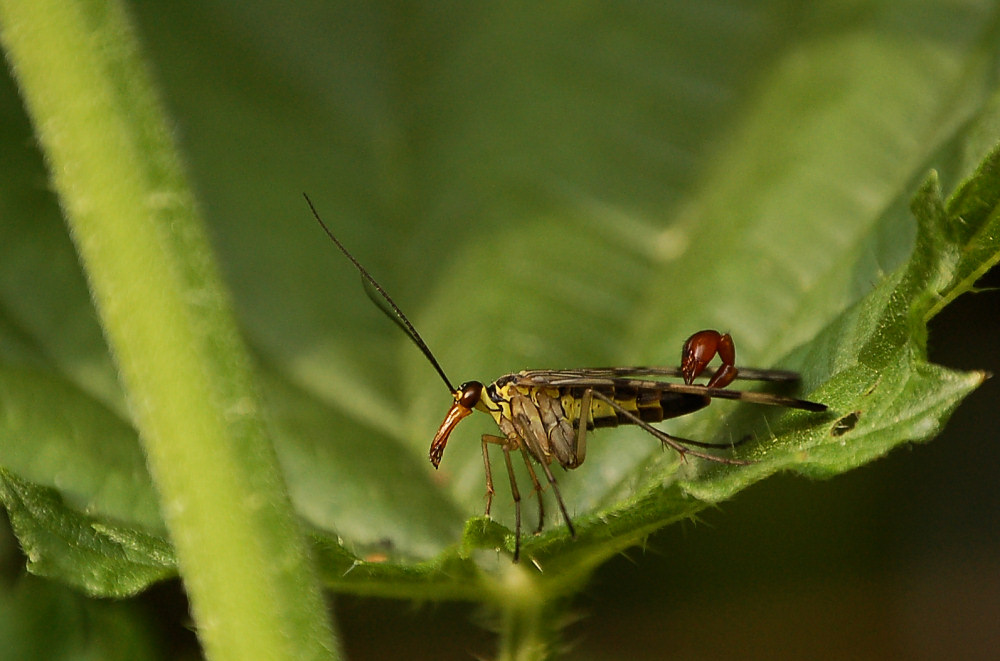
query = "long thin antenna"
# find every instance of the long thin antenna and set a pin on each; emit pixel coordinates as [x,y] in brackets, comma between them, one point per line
[397,315]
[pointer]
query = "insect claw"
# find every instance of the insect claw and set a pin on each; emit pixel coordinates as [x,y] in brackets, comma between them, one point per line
[723,376]
[698,352]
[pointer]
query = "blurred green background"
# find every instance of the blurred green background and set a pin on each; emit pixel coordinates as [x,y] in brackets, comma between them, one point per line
[420,126]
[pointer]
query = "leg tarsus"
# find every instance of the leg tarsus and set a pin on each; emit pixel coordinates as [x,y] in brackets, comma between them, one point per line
[562,505]
[537,486]
[517,503]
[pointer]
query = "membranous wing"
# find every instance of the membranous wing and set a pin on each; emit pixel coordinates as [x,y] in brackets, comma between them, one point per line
[630,379]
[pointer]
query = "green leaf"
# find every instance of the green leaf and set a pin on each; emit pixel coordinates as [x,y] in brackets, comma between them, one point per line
[562,189]
[56,436]
[872,363]
[97,556]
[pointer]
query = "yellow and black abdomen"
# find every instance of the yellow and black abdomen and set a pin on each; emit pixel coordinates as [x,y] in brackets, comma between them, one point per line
[648,405]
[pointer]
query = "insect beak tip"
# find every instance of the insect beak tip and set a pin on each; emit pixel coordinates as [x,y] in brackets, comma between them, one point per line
[455,414]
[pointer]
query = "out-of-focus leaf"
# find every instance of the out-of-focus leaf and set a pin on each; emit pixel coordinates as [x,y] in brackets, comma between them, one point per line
[43,621]
[97,556]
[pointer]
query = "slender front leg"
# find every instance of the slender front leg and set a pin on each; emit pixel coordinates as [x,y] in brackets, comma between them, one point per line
[517,503]
[498,440]
[507,445]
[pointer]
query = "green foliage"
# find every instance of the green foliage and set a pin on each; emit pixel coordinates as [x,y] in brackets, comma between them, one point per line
[44,621]
[103,559]
[535,190]
[168,323]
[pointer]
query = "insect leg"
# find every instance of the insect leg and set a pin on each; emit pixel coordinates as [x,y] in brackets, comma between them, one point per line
[538,490]
[555,489]
[517,502]
[580,446]
[499,440]
[674,442]
[523,423]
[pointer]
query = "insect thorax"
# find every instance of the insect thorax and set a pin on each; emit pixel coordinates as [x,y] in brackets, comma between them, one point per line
[534,416]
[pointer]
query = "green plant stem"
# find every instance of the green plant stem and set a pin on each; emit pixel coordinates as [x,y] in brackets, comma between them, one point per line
[524,635]
[530,615]
[168,322]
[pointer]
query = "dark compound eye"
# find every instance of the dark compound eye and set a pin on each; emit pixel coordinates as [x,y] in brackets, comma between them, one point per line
[469,394]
